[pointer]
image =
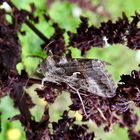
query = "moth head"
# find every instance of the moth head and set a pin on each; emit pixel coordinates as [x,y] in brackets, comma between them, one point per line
[47,65]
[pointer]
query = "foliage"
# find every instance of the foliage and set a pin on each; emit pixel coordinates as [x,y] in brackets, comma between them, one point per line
[27,53]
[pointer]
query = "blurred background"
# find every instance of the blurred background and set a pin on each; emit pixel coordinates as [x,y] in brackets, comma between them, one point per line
[67,14]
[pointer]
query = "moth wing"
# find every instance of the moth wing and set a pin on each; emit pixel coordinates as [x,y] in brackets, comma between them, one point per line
[92,77]
[100,81]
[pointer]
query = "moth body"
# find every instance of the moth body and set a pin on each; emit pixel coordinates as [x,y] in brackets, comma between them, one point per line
[84,75]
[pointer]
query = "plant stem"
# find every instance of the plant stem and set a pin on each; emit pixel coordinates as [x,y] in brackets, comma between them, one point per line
[29,24]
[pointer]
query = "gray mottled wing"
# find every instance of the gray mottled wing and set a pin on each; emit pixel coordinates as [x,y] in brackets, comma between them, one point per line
[93,78]
[100,81]
[92,75]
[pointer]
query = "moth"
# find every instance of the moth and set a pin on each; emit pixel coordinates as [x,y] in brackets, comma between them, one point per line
[81,75]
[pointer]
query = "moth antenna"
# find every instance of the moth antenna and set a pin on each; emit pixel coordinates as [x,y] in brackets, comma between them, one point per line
[49,51]
[45,49]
